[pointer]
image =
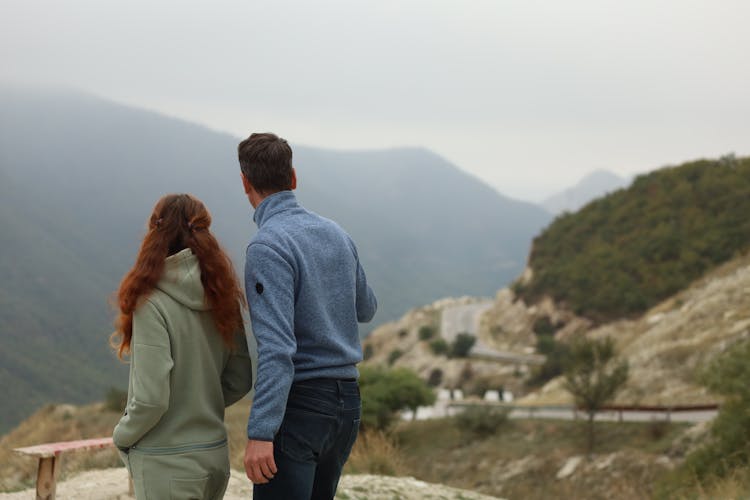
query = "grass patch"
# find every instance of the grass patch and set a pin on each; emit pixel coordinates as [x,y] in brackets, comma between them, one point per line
[375,453]
[482,421]
[481,462]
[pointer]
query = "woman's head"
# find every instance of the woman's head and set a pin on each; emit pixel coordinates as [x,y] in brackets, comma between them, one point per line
[176,219]
[180,221]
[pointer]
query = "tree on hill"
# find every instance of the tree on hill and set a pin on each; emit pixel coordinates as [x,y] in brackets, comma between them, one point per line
[462,345]
[386,392]
[625,252]
[593,376]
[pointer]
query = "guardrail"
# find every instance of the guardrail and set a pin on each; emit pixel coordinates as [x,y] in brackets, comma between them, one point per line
[688,413]
[670,408]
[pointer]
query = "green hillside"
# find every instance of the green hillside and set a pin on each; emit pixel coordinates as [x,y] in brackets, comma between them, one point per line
[79,175]
[623,253]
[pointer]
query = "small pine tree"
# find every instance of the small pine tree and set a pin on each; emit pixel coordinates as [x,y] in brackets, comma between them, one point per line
[593,376]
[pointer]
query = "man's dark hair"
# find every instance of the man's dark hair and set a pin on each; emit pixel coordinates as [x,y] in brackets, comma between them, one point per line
[266,161]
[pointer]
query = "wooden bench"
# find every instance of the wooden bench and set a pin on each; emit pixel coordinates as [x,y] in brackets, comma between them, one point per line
[49,455]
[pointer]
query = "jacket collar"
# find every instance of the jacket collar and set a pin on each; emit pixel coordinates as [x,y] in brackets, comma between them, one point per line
[273,204]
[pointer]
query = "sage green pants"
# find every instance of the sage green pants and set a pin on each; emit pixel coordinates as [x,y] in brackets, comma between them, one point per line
[193,475]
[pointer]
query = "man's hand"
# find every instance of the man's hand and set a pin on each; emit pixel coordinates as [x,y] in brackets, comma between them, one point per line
[259,463]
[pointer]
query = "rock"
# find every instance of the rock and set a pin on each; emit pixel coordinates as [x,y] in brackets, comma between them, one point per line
[665,461]
[652,320]
[569,468]
[605,461]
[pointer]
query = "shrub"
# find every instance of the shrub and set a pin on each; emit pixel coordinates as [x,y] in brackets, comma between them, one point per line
[403,333]
[555,357]
[367,352]
[375,453]
[394,355]
[435,378]
[657,429]
[481,421]
[462,345]
[439,347]
[426,332]
[543,326]
[385,392]
[465,376]
[726,450]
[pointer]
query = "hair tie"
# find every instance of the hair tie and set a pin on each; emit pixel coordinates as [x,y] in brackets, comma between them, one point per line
[191,226]
[158,222]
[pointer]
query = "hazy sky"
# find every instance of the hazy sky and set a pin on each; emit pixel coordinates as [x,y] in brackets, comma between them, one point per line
[527,95]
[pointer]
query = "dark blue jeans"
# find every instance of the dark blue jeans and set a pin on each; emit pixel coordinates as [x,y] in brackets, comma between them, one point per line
[319,428]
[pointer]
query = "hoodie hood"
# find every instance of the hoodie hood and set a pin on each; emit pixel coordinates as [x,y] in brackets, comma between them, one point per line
[182,280]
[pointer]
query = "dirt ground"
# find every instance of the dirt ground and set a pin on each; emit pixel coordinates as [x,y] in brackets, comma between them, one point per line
[112,484]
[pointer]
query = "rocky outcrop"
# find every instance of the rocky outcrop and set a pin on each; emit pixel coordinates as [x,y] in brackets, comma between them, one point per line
[669,345]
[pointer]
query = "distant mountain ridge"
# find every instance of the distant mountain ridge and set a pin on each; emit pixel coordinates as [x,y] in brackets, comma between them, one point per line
[79,176]
[592,186]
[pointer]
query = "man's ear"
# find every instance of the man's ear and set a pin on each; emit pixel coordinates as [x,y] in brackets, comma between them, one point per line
[294,179]
[245,183]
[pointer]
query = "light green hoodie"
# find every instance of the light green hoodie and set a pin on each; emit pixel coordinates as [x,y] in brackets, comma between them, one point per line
[182,375]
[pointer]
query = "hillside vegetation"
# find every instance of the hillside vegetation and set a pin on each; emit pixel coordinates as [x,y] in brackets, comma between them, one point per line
[622,254]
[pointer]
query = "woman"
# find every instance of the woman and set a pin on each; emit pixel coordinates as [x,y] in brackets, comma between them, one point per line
[180,320]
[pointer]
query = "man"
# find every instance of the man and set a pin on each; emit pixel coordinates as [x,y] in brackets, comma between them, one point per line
[307,291]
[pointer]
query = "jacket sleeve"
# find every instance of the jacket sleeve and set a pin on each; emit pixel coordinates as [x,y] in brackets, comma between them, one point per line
[269,285]
[150,369]
[237,377]
[367,304]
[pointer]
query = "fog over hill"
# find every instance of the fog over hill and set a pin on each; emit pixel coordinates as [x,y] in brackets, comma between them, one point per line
[79,176]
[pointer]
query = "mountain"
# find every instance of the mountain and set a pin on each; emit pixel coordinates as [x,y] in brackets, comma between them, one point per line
[592,186]
[623,253]
[79,176]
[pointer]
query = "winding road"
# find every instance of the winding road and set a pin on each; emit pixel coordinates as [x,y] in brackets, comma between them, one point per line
[466,318]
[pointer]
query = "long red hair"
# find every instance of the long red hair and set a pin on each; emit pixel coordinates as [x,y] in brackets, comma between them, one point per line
[180,221]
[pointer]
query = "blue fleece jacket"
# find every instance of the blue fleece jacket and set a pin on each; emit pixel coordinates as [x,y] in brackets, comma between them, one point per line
[306,291]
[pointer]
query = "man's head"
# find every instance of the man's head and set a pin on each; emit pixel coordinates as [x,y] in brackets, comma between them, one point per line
[266,164]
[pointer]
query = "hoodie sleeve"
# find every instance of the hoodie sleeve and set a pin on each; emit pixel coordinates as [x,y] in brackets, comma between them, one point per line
[269,285]
[237,377]
[150,368]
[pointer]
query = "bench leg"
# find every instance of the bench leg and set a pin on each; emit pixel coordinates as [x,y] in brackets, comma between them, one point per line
[46,478]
